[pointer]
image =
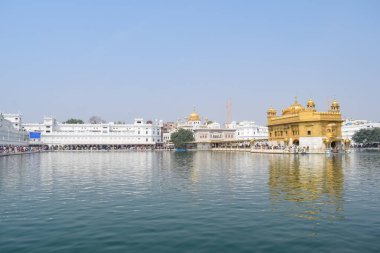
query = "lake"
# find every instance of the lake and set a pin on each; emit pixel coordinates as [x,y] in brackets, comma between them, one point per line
[199,201]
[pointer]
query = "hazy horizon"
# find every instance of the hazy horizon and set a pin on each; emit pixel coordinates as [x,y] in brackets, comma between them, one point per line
[159,59]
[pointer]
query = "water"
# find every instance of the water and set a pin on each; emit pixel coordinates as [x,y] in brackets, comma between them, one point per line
[189,202]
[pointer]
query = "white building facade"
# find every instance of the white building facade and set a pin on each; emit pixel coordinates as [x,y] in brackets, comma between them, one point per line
[249,130]
[11,132]
[136,134]
[350,127]
[206,138]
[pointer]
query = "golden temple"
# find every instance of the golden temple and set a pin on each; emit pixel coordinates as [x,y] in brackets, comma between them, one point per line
[306,127]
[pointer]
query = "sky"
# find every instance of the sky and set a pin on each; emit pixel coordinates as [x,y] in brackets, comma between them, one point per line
[160,59]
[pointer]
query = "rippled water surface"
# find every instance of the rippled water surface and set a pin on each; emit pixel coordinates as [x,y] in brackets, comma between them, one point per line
[189,202]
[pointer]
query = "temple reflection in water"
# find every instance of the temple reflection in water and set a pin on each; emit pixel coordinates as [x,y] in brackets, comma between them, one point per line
[309,187]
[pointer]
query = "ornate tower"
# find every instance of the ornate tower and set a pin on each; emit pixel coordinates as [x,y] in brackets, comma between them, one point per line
[271,112]
[310,104]
[335,106]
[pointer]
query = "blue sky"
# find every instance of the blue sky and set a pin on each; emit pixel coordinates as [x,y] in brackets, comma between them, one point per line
[159,59]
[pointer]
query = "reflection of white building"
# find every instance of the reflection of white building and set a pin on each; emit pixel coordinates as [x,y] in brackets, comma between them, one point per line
[350,127]
[249,130]
[138,133]
[10,130]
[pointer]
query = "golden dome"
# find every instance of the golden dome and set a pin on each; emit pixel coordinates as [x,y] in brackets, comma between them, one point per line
[293,109]
[194,117]
[310,103]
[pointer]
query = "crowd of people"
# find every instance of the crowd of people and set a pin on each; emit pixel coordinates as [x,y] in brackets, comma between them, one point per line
[270,146]
[290,149]
[13,149]
[368,145]
[102,147]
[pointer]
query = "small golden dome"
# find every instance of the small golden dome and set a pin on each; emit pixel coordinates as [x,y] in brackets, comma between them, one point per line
[335,105]
[347,140]
[271,112]
[310,103]
[194,117]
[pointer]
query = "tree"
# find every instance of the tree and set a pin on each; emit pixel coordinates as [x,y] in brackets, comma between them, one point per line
[96,120]
[367,136]
[181,137]
[74,121]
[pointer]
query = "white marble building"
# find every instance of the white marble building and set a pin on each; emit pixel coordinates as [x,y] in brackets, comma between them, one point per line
[14,118]
[136,134]
[193,122]
[10,130]
[208,133]
[350,127]
[249,130]
[206,137]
